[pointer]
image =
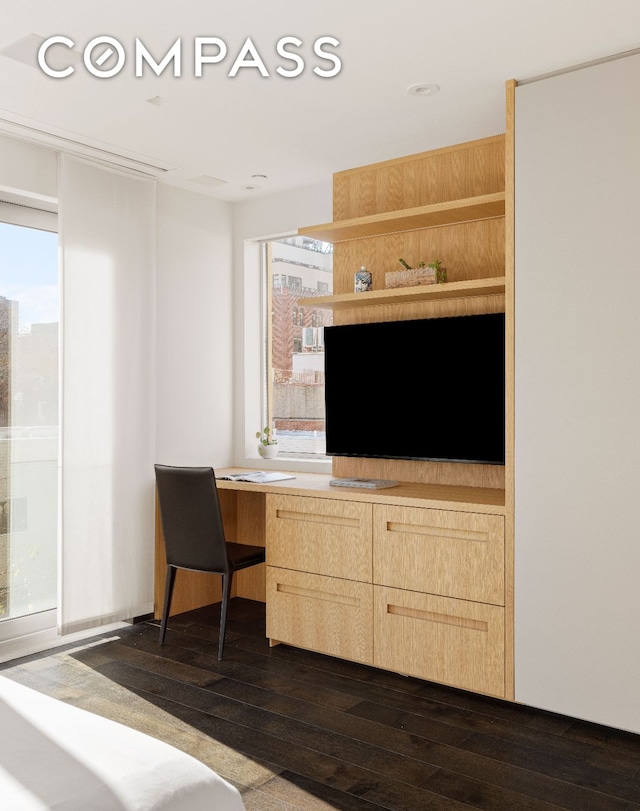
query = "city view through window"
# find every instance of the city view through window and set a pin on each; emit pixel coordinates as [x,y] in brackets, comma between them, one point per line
[28,420]
[297,268]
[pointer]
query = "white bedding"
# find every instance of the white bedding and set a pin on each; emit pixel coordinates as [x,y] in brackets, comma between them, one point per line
[56,756]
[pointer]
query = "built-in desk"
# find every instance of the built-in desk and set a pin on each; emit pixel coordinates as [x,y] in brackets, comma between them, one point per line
[418,568]
[408,494]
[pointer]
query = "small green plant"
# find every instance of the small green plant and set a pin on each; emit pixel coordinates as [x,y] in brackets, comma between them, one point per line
[266,437]
[441,273]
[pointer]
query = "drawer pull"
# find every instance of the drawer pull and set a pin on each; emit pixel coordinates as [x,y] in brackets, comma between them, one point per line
[341,599]
[430,616]
[438,532]
[317,518]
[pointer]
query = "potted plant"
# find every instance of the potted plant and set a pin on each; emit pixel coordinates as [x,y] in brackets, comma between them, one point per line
[267,443]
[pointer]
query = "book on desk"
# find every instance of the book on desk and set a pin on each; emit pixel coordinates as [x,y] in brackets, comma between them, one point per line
[256,476]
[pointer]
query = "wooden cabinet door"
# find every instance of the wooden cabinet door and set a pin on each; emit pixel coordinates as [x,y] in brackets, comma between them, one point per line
[456,642]
[453,554]
[325,614]
[320,535]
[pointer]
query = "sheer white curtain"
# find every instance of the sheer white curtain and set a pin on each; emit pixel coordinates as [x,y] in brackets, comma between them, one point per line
[107,238]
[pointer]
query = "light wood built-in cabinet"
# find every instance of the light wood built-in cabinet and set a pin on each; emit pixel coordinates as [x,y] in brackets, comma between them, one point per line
[319,592]
[442,580]
[417,578]
[448,204]
[409,579]
[439,595]
[412,589]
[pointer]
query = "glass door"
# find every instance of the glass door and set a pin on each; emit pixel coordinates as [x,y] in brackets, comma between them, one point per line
[29,457]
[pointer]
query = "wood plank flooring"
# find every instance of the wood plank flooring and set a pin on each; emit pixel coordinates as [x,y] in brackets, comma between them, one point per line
[297,730]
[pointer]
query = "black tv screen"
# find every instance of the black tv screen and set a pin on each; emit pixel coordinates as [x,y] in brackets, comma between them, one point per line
[430,389]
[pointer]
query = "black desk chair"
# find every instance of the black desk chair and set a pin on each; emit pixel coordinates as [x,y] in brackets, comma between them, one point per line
[194,534]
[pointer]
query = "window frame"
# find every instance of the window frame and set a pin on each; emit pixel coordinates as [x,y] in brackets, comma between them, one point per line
[292,461]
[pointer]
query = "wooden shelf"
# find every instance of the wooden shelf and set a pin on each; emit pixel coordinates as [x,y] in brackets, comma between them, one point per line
[484,207]
[404,295]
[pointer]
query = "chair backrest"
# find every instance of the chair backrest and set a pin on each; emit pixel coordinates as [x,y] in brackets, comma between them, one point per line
[191,518]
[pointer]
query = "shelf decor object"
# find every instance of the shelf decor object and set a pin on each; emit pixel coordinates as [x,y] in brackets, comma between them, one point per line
[268,451]
[362,280]
[409,278]
[432,273]
[267,443]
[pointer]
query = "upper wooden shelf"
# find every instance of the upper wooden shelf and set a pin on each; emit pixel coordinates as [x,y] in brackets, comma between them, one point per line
[484,207]
[405,295]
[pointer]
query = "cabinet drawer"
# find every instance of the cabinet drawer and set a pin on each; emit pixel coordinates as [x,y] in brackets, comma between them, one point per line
[454,554]
[456,642]
[324,614]
[320,535]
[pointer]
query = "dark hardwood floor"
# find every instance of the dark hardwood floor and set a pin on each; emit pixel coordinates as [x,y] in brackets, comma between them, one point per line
[297,730]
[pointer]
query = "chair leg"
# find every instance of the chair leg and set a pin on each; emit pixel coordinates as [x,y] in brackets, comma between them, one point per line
[169,580]
[227,579]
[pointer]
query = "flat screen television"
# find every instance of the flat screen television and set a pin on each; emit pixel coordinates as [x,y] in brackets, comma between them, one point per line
[430,389]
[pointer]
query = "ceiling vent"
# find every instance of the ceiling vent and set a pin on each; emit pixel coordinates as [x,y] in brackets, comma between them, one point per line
[26,49]
[207,180]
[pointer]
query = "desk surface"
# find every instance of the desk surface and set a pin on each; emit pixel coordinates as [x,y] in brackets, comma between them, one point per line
[407,494]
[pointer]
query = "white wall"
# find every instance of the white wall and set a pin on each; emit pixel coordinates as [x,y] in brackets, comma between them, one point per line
[208,303]
[194,307]
[577,461]
[28,170]
[194,329]
[276,215]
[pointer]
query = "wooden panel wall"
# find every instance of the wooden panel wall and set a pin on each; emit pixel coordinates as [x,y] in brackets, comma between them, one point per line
[469,250]
[452,173]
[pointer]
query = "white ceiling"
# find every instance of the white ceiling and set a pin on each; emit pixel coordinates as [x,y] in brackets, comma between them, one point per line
[297,131]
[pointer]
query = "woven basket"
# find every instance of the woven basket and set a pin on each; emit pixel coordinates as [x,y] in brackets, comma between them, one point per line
[410,278]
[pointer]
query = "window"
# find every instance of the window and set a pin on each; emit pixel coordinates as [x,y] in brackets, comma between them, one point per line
[28,420]
[295,343]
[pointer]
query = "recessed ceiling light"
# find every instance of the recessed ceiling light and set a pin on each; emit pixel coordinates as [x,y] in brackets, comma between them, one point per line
[423,89]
